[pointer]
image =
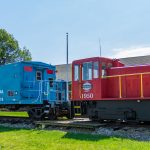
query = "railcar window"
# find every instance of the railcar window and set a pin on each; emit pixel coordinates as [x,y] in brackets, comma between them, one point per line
[103,69]
[87,71]
[96,70]
[38,75]
[109,65]
[51,82]
[76,72]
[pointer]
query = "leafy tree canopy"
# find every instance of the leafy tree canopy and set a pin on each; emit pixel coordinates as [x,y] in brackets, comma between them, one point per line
[10,50]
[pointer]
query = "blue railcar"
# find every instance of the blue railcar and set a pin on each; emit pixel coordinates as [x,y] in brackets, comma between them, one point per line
[33,84]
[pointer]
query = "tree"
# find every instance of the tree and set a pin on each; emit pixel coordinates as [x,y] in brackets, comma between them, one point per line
[25,55]
[10,50]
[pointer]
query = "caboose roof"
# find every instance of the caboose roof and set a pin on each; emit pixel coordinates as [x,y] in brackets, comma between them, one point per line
[35,63]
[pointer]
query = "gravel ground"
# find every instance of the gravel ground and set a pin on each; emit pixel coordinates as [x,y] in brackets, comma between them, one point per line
[18,125]
[140,133]
[137,133]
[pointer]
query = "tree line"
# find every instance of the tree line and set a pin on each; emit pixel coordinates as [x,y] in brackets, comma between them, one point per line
[10,50]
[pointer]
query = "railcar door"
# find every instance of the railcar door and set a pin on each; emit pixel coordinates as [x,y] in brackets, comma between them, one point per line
[76,81]
[86,81]
[90,88]
[40,85]
[31,87]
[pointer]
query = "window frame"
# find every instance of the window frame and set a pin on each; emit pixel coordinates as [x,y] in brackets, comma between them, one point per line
[104,67]
[96,75]
[38,76]
[89,71]
[76,72]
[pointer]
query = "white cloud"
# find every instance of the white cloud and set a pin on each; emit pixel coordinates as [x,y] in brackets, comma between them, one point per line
[130,52]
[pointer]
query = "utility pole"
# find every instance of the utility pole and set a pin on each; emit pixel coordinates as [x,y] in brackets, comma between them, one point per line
[67,66]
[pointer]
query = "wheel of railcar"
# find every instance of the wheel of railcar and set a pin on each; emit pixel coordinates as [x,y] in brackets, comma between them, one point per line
[94,118]
[101,121]
[70,115]
[52,115]
[30,114]
[36,113]
[130,115]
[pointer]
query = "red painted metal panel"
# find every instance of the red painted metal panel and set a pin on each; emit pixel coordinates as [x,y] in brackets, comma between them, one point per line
[88,89]
[123,87]
[28,68]
[92,92]
[112,88]
[104,88]
[146,85]
[131,86]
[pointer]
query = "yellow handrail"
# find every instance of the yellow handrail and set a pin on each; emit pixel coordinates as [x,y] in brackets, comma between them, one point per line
[123,75]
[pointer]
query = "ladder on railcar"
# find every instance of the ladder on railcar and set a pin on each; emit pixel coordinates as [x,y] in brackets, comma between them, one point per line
[77,108]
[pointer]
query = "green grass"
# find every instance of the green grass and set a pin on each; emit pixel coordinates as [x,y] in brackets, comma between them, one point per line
[22,139]
[18,114]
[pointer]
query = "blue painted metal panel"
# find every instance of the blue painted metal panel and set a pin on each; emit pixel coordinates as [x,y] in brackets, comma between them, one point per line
[10,81]
[61,91]
[30,83]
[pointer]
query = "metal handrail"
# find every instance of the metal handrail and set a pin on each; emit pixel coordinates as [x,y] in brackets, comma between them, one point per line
[39,88]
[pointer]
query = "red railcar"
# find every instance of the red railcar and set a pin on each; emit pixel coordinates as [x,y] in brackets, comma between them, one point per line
[106,89]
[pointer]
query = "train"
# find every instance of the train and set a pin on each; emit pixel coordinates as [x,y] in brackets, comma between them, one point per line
[101,89]
[32,86]
[106,89]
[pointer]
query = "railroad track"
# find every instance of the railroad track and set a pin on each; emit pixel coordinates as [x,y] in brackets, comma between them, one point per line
[69,124]
[133,131]
[82,123]
[87,124]
[79,123]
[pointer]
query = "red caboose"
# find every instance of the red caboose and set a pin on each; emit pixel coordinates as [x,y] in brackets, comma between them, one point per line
[106,89]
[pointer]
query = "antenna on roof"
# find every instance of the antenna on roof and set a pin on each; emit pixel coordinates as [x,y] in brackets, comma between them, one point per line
[100,48]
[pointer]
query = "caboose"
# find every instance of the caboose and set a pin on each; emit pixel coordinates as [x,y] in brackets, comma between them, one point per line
[106,89]
[33,86]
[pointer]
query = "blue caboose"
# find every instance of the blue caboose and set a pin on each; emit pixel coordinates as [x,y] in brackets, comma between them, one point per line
[33,85]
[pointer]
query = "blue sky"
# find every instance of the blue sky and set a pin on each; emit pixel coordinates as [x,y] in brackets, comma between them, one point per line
[122,25]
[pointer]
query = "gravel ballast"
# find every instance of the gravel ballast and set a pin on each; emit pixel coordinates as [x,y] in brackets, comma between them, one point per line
[136,133]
